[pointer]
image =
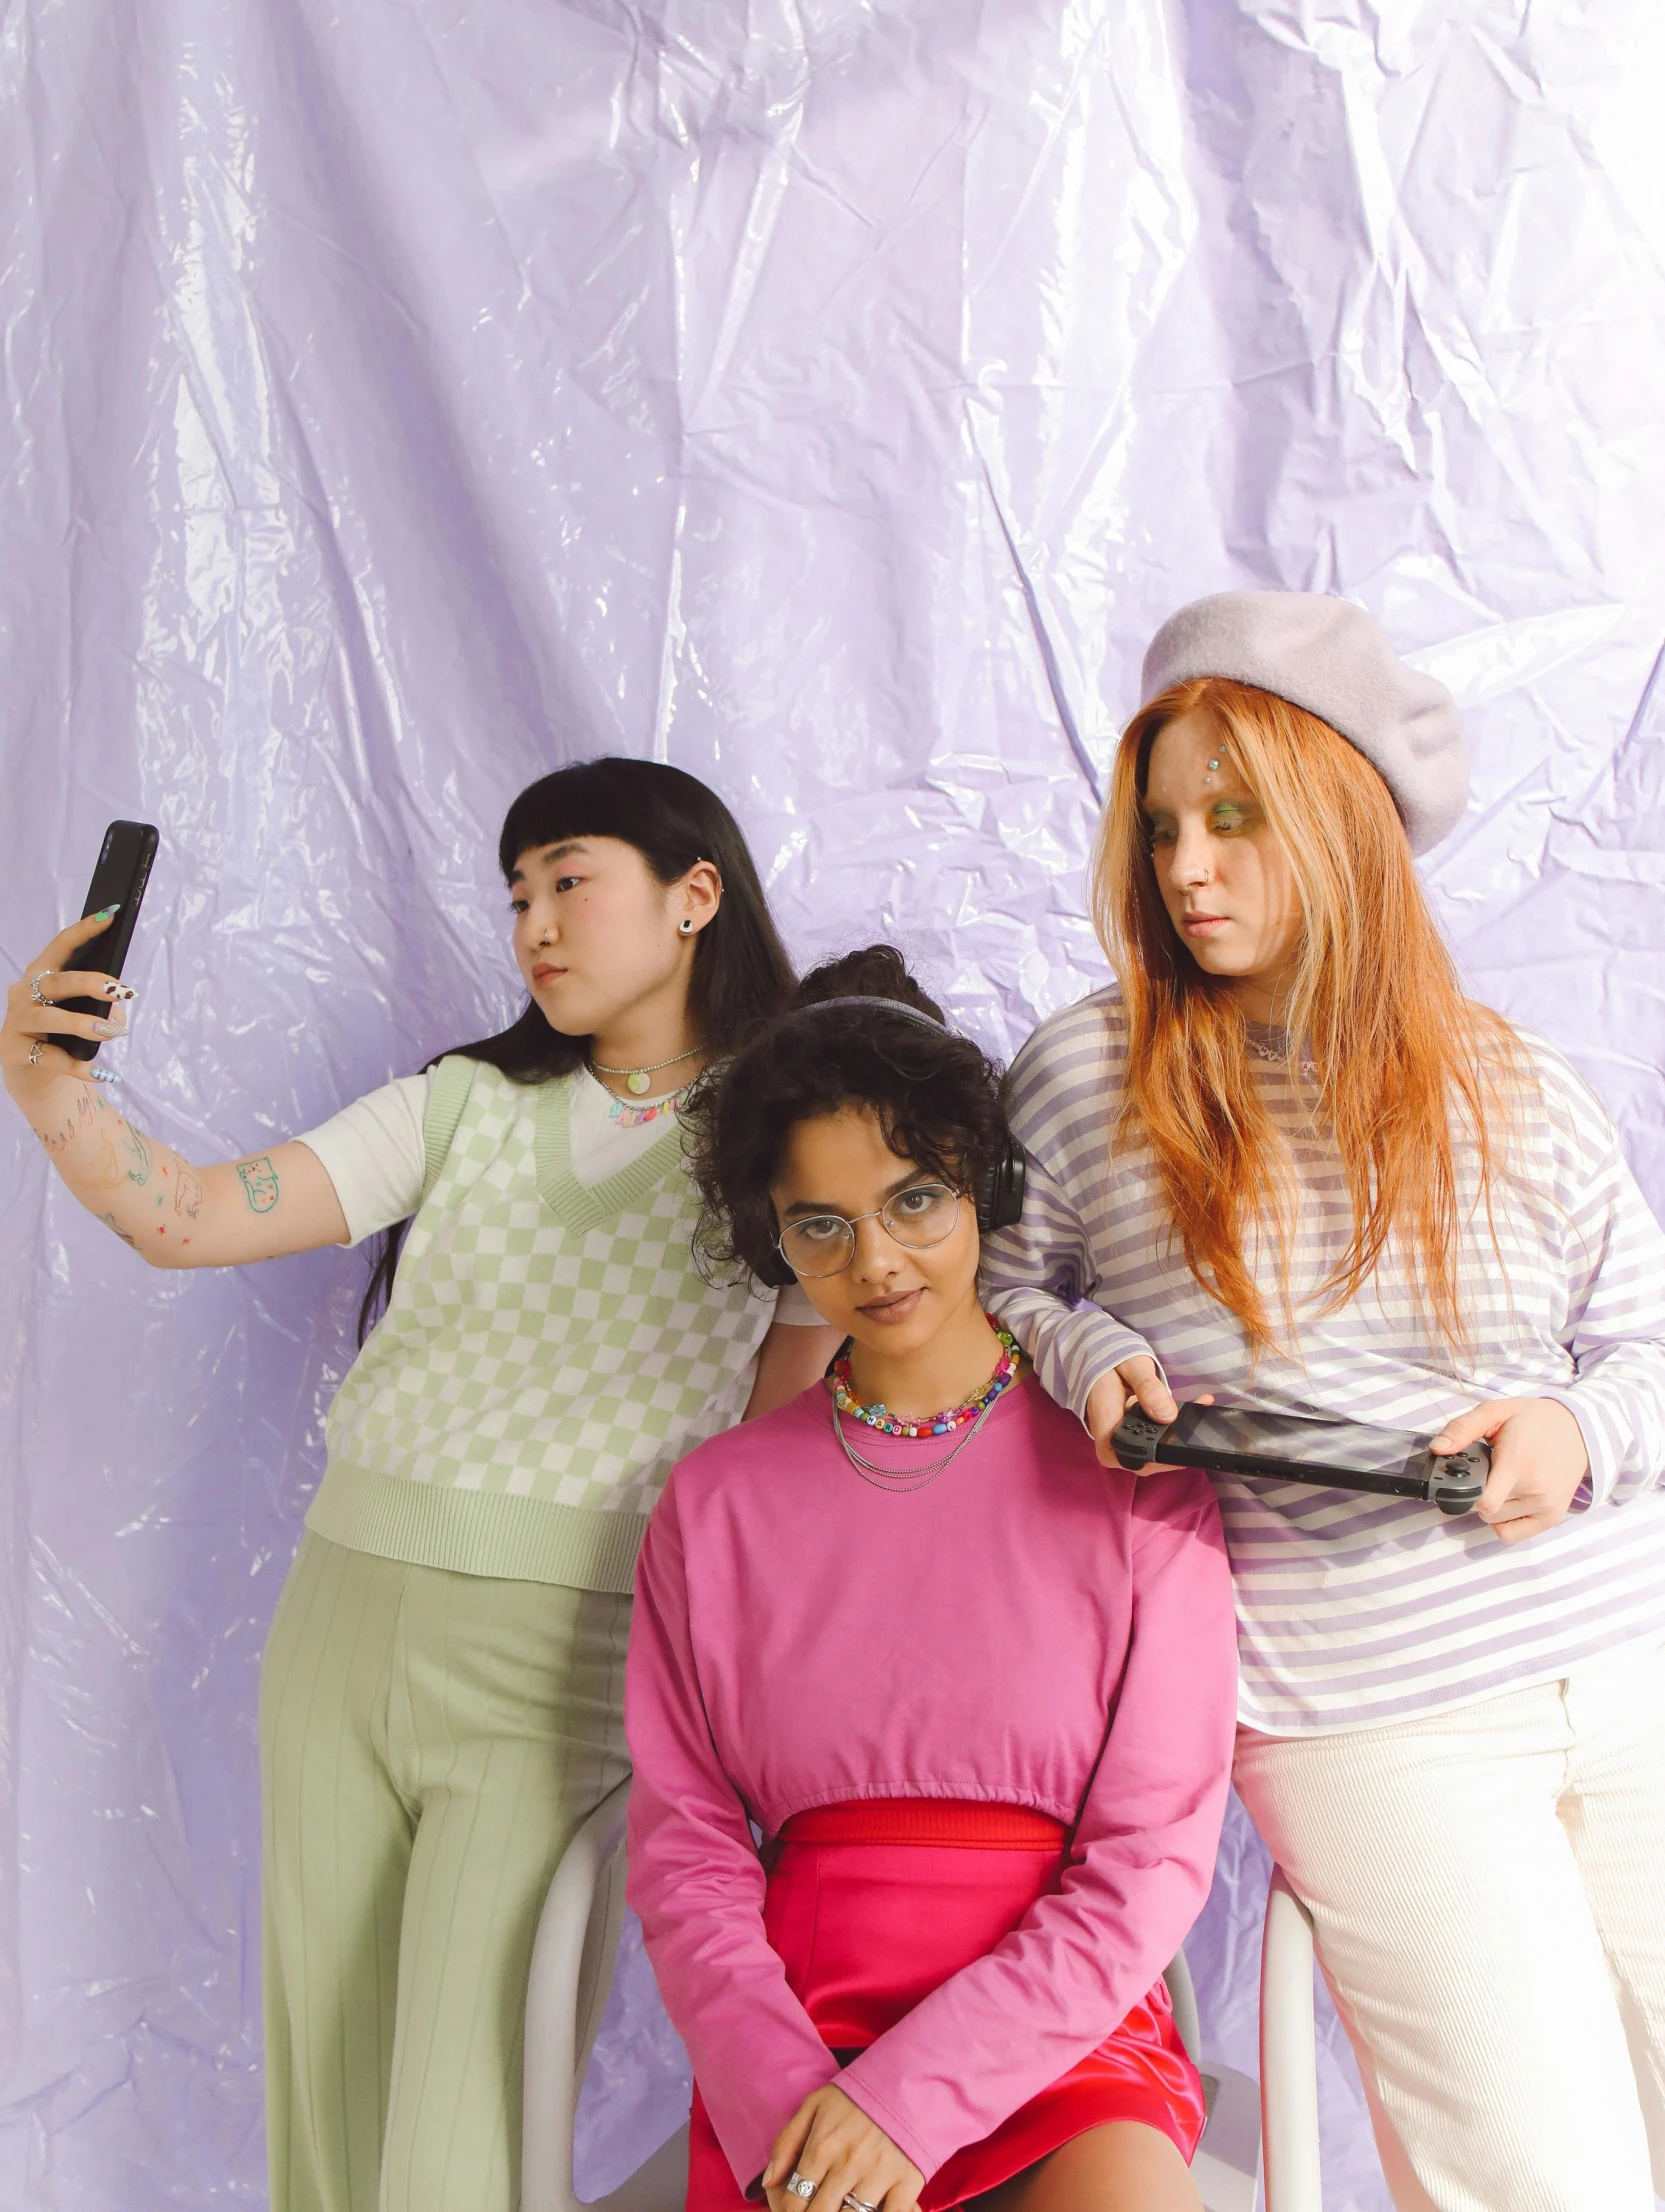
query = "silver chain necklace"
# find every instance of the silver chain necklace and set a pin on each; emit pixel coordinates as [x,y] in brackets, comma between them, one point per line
[1258,1037]
[915,1478]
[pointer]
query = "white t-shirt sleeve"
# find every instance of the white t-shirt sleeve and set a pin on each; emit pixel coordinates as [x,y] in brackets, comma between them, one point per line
[793,1307]
[372,1153]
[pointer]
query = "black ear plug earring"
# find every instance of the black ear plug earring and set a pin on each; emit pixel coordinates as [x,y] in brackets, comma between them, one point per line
[686,925]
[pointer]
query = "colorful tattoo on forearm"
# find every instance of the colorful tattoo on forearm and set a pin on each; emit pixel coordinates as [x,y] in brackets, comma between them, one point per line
[260,1183]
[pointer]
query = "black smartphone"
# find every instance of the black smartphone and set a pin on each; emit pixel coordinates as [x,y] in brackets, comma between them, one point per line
[1339,1455]
[119,880]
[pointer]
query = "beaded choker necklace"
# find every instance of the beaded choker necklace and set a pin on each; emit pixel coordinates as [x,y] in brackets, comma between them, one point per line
[934,1424]
[636,1080]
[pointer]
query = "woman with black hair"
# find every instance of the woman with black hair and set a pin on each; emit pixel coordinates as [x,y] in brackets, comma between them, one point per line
[441,1702]
[975,1694]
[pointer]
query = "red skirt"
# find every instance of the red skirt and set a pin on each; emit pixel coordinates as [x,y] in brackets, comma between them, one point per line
[872,1906]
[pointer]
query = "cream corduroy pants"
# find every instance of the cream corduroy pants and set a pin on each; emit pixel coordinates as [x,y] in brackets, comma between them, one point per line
[1488,1897]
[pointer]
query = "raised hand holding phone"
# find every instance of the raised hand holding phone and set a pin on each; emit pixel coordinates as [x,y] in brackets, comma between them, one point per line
[114,898]
[58,1012]
[73,992]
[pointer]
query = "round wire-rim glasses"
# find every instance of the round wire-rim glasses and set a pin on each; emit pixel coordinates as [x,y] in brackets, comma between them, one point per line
[824,1244]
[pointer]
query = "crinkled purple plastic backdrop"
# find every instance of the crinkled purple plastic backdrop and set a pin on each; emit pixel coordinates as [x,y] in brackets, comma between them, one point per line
[830,397]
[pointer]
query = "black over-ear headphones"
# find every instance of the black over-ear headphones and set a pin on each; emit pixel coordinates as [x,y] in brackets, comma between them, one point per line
[1001,1185]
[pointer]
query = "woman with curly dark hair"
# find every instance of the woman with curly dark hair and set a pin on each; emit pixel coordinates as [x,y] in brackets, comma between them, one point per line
[974,1693]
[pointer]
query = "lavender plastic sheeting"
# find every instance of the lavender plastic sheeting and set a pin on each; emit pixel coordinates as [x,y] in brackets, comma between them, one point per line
[830,397]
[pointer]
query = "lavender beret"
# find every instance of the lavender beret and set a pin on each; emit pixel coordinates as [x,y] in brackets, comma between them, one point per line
[1328,656]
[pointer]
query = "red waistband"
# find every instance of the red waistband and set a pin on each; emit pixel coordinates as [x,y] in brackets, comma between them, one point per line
[952,1821]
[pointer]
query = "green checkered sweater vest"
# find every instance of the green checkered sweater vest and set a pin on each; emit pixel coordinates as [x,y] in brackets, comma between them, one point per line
[549,1351]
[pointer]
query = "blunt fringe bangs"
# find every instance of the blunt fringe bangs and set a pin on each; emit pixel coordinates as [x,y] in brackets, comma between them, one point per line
[741,972]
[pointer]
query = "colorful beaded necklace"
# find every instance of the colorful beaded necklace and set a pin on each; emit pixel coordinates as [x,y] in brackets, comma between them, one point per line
[935,1424]
[621,1110]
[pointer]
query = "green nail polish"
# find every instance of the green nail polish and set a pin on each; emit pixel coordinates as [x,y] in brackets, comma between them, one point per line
[104,913]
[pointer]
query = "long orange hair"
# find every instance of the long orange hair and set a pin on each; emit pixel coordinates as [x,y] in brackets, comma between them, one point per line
[1407,1066]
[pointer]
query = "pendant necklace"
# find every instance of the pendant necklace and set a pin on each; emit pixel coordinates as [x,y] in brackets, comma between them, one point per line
[1260,1036]
[636,1079]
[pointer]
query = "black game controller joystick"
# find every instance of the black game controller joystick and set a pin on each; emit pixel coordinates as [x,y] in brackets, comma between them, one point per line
[1457,1478]
[1136,1438]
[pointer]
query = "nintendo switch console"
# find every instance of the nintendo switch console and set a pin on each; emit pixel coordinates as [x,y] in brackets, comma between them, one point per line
[1285,1447]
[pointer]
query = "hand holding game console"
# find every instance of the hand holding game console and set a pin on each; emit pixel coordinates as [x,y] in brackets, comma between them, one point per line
[1137,1382]
[1539,1459]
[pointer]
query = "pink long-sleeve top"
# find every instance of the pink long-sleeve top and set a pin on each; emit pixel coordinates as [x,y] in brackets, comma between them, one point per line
[1030,1629]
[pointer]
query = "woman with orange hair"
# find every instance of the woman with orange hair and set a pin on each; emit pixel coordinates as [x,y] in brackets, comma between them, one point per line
[1286,1161]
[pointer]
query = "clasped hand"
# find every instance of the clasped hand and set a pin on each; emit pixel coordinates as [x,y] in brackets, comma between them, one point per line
[832,2142]
[1538,1451]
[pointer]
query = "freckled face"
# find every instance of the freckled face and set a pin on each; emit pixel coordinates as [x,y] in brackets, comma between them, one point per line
[1224,878]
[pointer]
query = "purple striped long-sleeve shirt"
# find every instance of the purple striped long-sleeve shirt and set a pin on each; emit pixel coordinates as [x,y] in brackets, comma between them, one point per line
[1353,1610]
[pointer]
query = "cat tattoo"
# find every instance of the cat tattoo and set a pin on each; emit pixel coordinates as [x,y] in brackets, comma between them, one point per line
[260,1183]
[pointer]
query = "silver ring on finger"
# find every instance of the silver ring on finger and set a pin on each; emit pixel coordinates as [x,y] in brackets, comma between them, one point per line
[853,2203]
[34,1053]
[800,2185]
[35,992]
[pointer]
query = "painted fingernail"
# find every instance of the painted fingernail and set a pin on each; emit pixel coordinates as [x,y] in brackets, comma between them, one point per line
[106,1029]
[104,912]
[101,1075]
[120,990]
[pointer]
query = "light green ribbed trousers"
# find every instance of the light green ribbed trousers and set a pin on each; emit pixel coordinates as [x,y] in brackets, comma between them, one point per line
[430,1741]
